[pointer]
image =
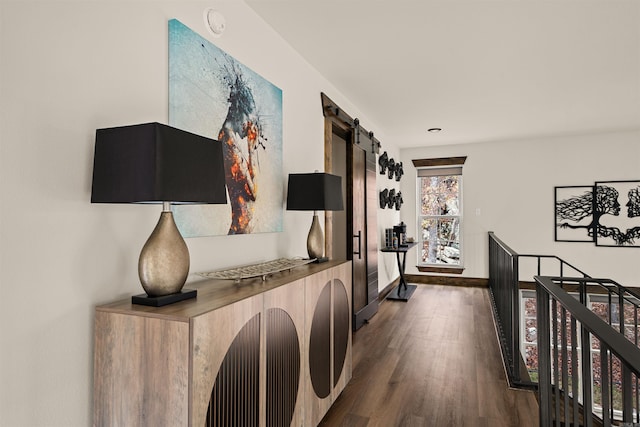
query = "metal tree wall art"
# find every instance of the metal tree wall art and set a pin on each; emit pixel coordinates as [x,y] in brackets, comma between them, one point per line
[614,225]
[581,217]
[574,214]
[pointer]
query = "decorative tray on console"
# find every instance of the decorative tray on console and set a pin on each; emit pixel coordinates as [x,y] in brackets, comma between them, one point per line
[262,269]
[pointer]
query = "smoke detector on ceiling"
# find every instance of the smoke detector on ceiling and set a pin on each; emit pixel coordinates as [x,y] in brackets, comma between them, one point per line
[215,22]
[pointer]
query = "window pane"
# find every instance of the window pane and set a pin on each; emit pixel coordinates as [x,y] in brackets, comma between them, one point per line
[531,360]
[428,230]
[440,238]
[531,331]
[530,307]
[440,195]
[601,309]
[448,229]
[449,250]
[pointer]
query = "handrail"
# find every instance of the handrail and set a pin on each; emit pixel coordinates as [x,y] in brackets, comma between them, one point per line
[586,324]
[501,243]
[622,347]
[562,263]
[514,253]
[504,272]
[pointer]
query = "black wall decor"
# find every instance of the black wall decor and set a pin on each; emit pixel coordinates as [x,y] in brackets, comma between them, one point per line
[596,214]
[389,199]
[398,200]
[383,161]
[574,213]
[399,171]
[392,198]
[384,196]
[392,168]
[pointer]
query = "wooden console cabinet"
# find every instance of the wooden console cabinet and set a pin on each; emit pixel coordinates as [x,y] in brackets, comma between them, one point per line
[253,353]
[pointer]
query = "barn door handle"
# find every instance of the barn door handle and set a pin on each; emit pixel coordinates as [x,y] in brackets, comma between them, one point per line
[359,237]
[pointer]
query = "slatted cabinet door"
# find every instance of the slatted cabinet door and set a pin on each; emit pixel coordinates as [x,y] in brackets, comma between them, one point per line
[327,300]
[341,335]
[285,362]
[226,365]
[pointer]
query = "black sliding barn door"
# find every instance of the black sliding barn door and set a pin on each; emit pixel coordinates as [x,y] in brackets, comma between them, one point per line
[350,151]
[362,201]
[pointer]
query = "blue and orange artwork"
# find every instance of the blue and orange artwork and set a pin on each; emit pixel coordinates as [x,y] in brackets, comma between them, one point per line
[214,95]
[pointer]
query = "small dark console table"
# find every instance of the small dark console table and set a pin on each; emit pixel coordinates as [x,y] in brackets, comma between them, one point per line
[403,291]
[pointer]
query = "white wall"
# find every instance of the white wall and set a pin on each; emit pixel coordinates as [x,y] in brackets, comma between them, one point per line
[69,67]
[387,218]
[512,184]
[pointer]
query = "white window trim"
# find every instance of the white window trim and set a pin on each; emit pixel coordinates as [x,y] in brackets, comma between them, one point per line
[438,171]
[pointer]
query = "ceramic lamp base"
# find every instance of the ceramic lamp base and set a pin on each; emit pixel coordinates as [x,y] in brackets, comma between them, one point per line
[315,240]
[163,266]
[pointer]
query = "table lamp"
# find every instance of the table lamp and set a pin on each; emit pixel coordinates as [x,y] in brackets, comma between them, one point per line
[156,163]
[315,192]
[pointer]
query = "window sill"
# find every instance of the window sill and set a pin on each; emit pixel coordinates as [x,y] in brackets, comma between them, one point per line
[450,270]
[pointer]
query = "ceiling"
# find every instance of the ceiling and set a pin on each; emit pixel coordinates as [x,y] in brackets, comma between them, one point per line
[482,70]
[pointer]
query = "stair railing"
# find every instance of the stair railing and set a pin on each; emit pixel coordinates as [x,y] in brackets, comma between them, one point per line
[617,384]
[504,281]
[569,368]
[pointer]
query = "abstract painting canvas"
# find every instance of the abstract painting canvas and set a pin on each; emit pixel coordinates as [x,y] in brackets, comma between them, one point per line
[214,95]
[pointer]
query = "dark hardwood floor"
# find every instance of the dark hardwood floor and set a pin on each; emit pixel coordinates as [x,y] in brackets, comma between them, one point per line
[432,361]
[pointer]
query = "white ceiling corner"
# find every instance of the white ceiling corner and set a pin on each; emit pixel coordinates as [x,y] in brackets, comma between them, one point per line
[480,69]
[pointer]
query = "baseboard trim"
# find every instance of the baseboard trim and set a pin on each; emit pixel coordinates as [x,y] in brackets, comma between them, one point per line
[428,279]
[384,292]
[366,313]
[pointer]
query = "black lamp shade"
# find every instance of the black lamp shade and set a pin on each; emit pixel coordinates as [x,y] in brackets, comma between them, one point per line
[314,192]
[156,163]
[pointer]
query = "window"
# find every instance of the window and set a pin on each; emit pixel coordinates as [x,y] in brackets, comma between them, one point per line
[439,205]
[529,332]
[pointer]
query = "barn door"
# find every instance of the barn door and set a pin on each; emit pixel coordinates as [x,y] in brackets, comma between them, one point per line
[364,233]
[350,152]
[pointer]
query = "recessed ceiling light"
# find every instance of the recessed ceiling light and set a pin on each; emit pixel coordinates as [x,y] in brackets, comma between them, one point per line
[434,130]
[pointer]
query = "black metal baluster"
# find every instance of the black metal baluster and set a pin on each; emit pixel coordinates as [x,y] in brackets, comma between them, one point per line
[544,356]
[604,385]
[555,361]
[587,377]
[575,378]
[565,363]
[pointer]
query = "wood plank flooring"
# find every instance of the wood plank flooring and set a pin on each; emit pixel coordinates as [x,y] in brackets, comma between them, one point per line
[432,361]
